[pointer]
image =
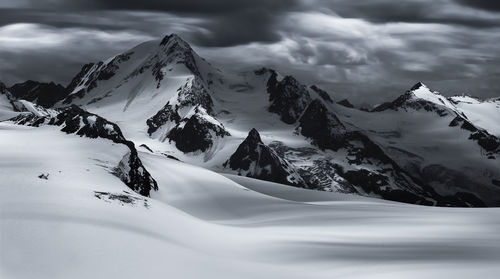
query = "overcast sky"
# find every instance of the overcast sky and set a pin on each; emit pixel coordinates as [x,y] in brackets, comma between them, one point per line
[367,51]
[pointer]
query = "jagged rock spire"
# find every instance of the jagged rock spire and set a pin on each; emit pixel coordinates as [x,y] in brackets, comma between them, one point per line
[417,86]
[255,159]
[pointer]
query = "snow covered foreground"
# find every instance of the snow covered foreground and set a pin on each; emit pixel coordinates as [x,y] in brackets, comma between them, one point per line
[83,222]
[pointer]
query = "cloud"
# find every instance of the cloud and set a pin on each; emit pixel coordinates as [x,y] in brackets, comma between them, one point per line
[229,22]
[366,50]
[482,4]
[415,11]
[40,52]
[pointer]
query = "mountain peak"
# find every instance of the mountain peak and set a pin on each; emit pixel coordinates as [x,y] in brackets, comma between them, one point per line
[418,85]
[253,136]
[254,159]
[174,39]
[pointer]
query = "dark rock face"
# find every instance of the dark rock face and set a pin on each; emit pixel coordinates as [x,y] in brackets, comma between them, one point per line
[3,88]
[345,103]
[464,124]
[323,94]
[322,126]
[43,94]
[196,133]
[288,97]
[490,143]
[75,120]
[191,94]
[255,159]
[327,132]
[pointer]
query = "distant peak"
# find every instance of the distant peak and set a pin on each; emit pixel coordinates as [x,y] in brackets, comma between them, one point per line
[253,136]
[418,85]
[172,38]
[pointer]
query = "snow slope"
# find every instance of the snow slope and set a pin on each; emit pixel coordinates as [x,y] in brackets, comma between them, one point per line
[484,114]
[6,108]
[83,222]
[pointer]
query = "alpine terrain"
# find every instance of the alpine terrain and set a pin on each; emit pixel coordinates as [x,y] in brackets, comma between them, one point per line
[154,161]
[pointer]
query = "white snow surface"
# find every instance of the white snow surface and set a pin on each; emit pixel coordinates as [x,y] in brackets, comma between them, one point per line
[200,224]
[484,114]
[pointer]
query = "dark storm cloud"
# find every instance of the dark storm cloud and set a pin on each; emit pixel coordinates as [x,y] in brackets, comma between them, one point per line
[482,4]
[187,6]
[230,22]
[366,50]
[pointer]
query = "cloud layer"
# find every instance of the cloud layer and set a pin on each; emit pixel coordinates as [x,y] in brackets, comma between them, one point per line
[363,50]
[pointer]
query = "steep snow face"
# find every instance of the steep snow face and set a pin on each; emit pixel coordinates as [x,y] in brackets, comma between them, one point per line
[480,113]
[420,97]
[255,159]
[6,108]
[483,114]
[421,91]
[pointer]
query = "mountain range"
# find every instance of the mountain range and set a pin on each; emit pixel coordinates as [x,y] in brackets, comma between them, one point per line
[161,97]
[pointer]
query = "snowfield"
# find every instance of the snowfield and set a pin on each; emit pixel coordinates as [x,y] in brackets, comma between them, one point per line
[83,222]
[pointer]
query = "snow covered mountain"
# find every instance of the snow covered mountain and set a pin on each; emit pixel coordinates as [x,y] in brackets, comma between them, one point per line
[421,148]
[153,162]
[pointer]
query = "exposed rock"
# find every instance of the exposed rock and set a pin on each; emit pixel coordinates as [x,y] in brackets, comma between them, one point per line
[410,100]
[3,88]
[43,94]
[91,74]
[255,159]
[464,124]
[490,143]
[322,126]
[179,51]
[197,132]
[322,93]
[288,97]
[79,78]
[193,93]
[146,147]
